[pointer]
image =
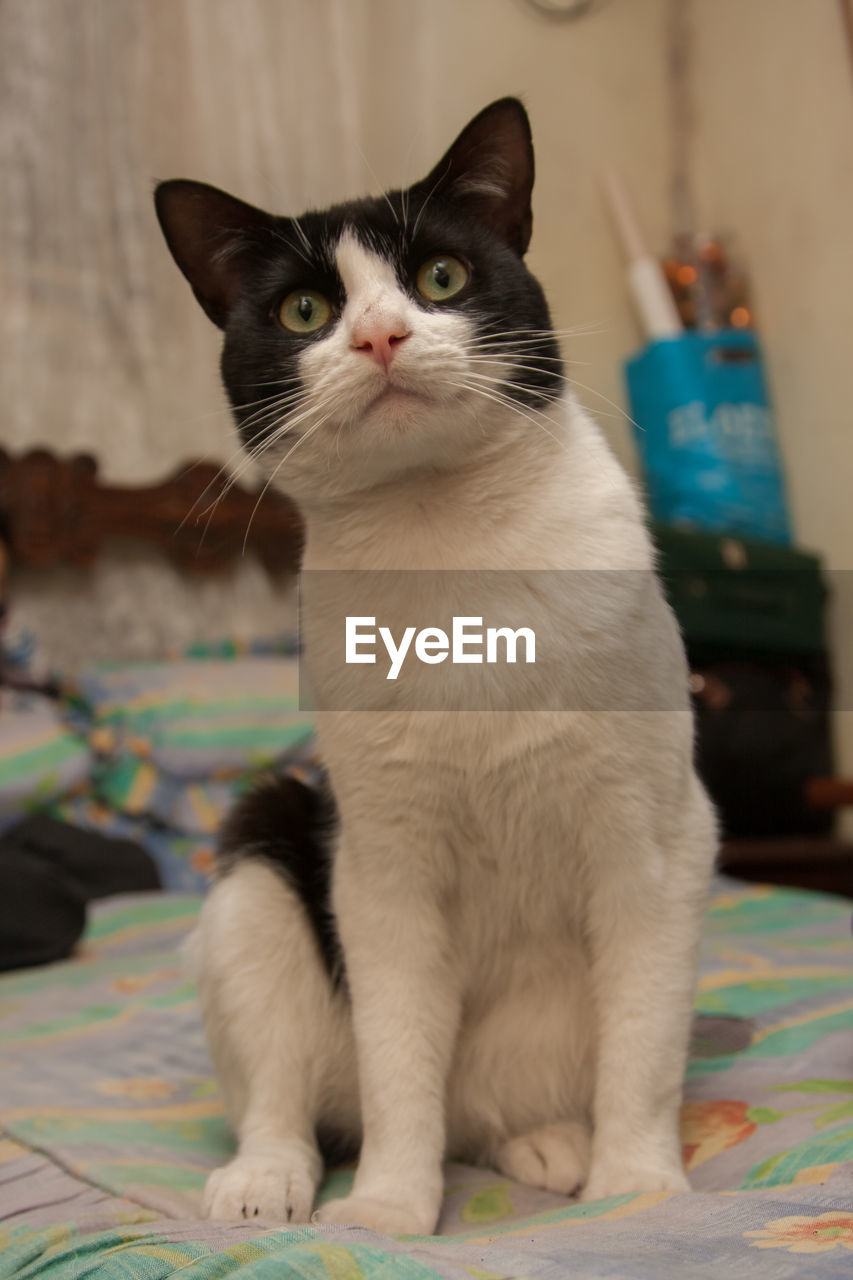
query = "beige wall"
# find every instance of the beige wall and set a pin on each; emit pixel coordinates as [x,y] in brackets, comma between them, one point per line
[774,162]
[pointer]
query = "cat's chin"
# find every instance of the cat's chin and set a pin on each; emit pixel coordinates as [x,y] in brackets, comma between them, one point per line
[399,396]
[398,408]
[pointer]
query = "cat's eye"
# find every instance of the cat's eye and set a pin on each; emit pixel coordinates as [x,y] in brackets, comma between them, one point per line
[304,311]
[441,277]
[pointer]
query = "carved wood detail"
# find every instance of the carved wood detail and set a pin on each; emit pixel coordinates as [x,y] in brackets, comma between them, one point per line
[60,512]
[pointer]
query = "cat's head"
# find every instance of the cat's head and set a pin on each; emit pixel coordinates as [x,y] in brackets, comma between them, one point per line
[384,335]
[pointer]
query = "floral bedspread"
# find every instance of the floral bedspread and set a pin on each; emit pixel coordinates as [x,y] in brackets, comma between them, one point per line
[112,1122]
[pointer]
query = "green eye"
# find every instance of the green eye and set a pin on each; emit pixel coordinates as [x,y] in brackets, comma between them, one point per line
[441,277]
[304,311]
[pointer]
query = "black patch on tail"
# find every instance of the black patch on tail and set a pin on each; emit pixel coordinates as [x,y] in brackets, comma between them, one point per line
[292,827]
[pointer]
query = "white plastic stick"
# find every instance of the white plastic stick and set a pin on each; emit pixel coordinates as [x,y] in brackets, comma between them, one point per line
[655,306]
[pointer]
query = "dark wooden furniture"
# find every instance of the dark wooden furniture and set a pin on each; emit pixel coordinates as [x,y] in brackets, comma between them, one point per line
[61,512]
[803,861]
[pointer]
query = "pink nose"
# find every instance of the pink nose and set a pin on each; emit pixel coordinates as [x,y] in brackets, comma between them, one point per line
[380,342]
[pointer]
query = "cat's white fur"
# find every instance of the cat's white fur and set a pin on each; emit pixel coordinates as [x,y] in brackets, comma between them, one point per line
[519,893]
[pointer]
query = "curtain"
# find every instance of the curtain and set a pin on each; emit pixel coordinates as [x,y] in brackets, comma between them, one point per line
[101,345]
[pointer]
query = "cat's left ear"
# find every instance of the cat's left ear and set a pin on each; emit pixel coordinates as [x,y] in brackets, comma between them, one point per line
[212,236]
[489,171]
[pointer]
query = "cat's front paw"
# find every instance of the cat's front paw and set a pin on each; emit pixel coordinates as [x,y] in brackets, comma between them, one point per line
[268,1187]
[554,1157]
[378,1215]
[621,1178]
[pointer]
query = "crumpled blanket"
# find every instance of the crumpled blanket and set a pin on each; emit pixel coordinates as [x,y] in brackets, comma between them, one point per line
[113,1121]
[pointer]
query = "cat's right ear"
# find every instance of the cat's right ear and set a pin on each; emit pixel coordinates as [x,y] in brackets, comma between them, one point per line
[488,173]
[211,236]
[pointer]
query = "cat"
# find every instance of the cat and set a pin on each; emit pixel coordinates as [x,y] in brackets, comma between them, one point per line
[482,943]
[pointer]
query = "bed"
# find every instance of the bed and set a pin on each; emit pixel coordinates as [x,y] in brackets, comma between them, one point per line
[111,1118]
[112,1121]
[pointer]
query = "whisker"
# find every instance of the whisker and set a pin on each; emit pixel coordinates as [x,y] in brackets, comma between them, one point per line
[224,410]
[511,404]
[493,388]
[300,231]
[223,470]
[275,472]
[279,405]
[430,195]
[292,402]
[251,458]
[293,418]
[293,248]
[307,256]
[276,382]
[508,380]
[620,412]
[234,478]
[573,332]
[533,389]
[489,357]
[375,178]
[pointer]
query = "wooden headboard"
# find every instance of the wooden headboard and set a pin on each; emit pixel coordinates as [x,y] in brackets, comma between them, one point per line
[60,512]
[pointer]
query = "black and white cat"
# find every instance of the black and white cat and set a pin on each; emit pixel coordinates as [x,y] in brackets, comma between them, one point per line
[490,953]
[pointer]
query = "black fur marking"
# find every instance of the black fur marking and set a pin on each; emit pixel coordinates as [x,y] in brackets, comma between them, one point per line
[292,828]
[337,1147]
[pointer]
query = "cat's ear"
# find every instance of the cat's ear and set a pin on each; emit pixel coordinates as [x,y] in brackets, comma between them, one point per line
[489,171]
[211,236]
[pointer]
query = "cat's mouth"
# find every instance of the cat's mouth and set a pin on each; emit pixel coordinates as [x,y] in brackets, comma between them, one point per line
[403,393]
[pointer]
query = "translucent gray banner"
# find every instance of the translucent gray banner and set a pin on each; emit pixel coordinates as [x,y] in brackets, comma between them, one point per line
[559,640]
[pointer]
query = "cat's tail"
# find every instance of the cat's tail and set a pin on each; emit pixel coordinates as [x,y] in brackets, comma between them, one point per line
[291,823]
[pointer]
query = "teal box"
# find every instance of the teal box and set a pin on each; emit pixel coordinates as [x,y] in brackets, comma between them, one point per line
[706,435]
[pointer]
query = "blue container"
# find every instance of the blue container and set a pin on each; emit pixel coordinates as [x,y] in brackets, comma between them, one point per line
[706,438]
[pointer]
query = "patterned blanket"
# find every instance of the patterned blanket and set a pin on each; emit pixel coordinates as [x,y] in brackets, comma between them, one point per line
[156,752]
[112,1122]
